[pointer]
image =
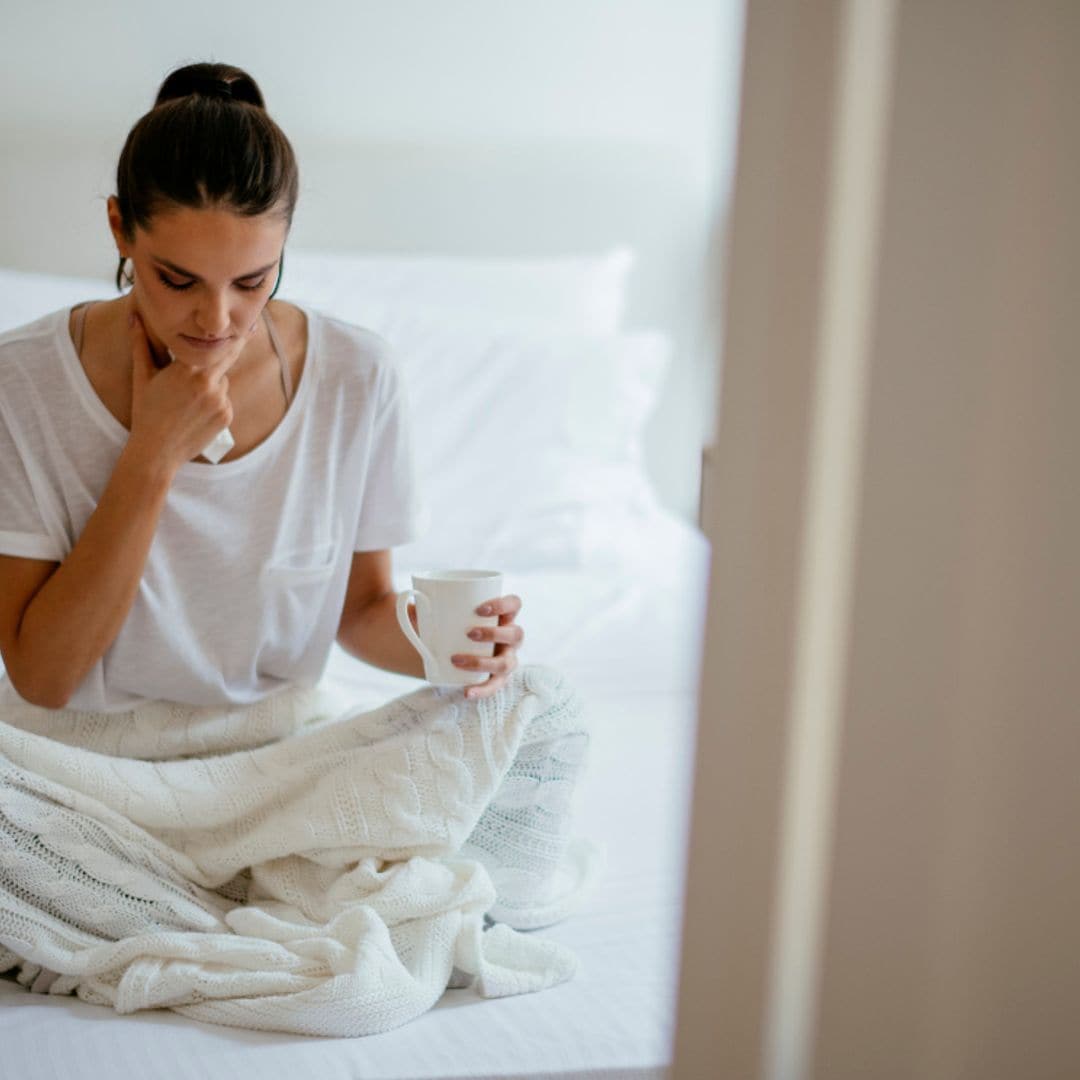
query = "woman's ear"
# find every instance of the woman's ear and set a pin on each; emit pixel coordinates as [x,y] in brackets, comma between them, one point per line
[280,271]
[116,225]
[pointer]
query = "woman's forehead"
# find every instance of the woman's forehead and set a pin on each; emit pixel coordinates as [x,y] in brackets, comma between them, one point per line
[213,234]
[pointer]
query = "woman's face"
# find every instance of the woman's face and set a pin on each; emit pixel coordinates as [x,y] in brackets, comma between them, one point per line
[202,277]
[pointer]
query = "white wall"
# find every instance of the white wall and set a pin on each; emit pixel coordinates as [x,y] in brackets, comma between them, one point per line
[654,72]
[402,68]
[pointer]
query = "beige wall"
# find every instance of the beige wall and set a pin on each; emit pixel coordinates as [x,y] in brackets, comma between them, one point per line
[941,841]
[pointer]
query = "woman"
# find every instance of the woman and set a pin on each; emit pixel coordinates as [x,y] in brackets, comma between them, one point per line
[156,606]
[204,231]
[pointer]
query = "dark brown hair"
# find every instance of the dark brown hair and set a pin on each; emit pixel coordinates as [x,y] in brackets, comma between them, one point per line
[207,142]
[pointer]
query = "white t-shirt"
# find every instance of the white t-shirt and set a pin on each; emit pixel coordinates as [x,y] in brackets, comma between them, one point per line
[245,579]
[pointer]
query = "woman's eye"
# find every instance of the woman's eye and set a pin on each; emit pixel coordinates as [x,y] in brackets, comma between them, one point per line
[172,283]
[179,285]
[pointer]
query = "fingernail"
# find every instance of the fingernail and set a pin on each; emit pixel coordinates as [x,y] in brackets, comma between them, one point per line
[476,635]
[484,609]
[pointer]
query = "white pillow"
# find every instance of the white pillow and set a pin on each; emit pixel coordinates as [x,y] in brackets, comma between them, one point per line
[523,442]
[564,294]
[26,296]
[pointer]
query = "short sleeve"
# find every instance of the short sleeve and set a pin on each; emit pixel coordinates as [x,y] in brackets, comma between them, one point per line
[390,510]
[22,529]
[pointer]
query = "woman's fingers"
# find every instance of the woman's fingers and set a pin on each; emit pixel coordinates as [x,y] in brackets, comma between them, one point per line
[506,633]
[506,607]
[486,689]
[492,685]
[501,663]
[510,634]
[506,636]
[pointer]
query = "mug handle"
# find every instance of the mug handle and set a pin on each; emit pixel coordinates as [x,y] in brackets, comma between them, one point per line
[421,601]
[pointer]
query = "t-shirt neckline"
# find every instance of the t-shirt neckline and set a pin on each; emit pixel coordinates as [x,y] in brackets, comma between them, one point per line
[194,469]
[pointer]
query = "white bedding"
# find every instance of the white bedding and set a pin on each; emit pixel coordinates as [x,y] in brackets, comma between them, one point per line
[615,1019]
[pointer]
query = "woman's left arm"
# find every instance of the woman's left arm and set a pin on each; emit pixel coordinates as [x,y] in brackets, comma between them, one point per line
[369,628]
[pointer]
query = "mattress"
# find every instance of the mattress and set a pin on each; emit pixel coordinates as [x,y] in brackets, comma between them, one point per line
[629,636]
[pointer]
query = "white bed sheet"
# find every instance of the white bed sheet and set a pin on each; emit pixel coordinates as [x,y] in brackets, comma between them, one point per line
[629,635]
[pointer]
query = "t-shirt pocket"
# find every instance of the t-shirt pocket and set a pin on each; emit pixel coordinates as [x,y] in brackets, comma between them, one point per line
[294,587]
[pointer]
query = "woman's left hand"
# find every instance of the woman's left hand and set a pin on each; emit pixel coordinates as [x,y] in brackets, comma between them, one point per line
[507,637]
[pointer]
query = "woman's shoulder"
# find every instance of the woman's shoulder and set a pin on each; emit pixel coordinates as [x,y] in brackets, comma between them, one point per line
[349,350]
[347,336]
[30,343]
[34,330]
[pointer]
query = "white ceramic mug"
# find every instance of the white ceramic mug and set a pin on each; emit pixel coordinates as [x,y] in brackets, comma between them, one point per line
[446,603]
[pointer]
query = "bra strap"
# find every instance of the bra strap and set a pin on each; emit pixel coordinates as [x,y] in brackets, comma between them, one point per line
[80,324]
[275,341]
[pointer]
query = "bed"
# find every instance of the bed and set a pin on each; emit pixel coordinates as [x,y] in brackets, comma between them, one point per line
[535,354]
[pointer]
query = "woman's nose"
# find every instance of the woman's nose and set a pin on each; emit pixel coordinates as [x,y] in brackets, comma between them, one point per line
[213,314]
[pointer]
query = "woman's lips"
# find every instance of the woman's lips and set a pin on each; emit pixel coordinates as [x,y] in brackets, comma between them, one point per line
[204,343]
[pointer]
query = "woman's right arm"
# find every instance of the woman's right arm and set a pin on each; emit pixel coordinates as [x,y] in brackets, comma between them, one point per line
[58,619]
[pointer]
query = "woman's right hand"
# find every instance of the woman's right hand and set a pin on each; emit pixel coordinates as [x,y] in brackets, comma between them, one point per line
[176,411]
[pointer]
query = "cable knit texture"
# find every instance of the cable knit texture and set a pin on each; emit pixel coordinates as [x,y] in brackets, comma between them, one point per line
[283,867]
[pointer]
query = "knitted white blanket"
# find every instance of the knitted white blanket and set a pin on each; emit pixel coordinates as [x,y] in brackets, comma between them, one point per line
[282,868]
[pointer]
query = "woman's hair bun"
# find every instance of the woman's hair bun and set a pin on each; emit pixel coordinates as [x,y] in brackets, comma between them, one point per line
[207,142]
[221,81]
